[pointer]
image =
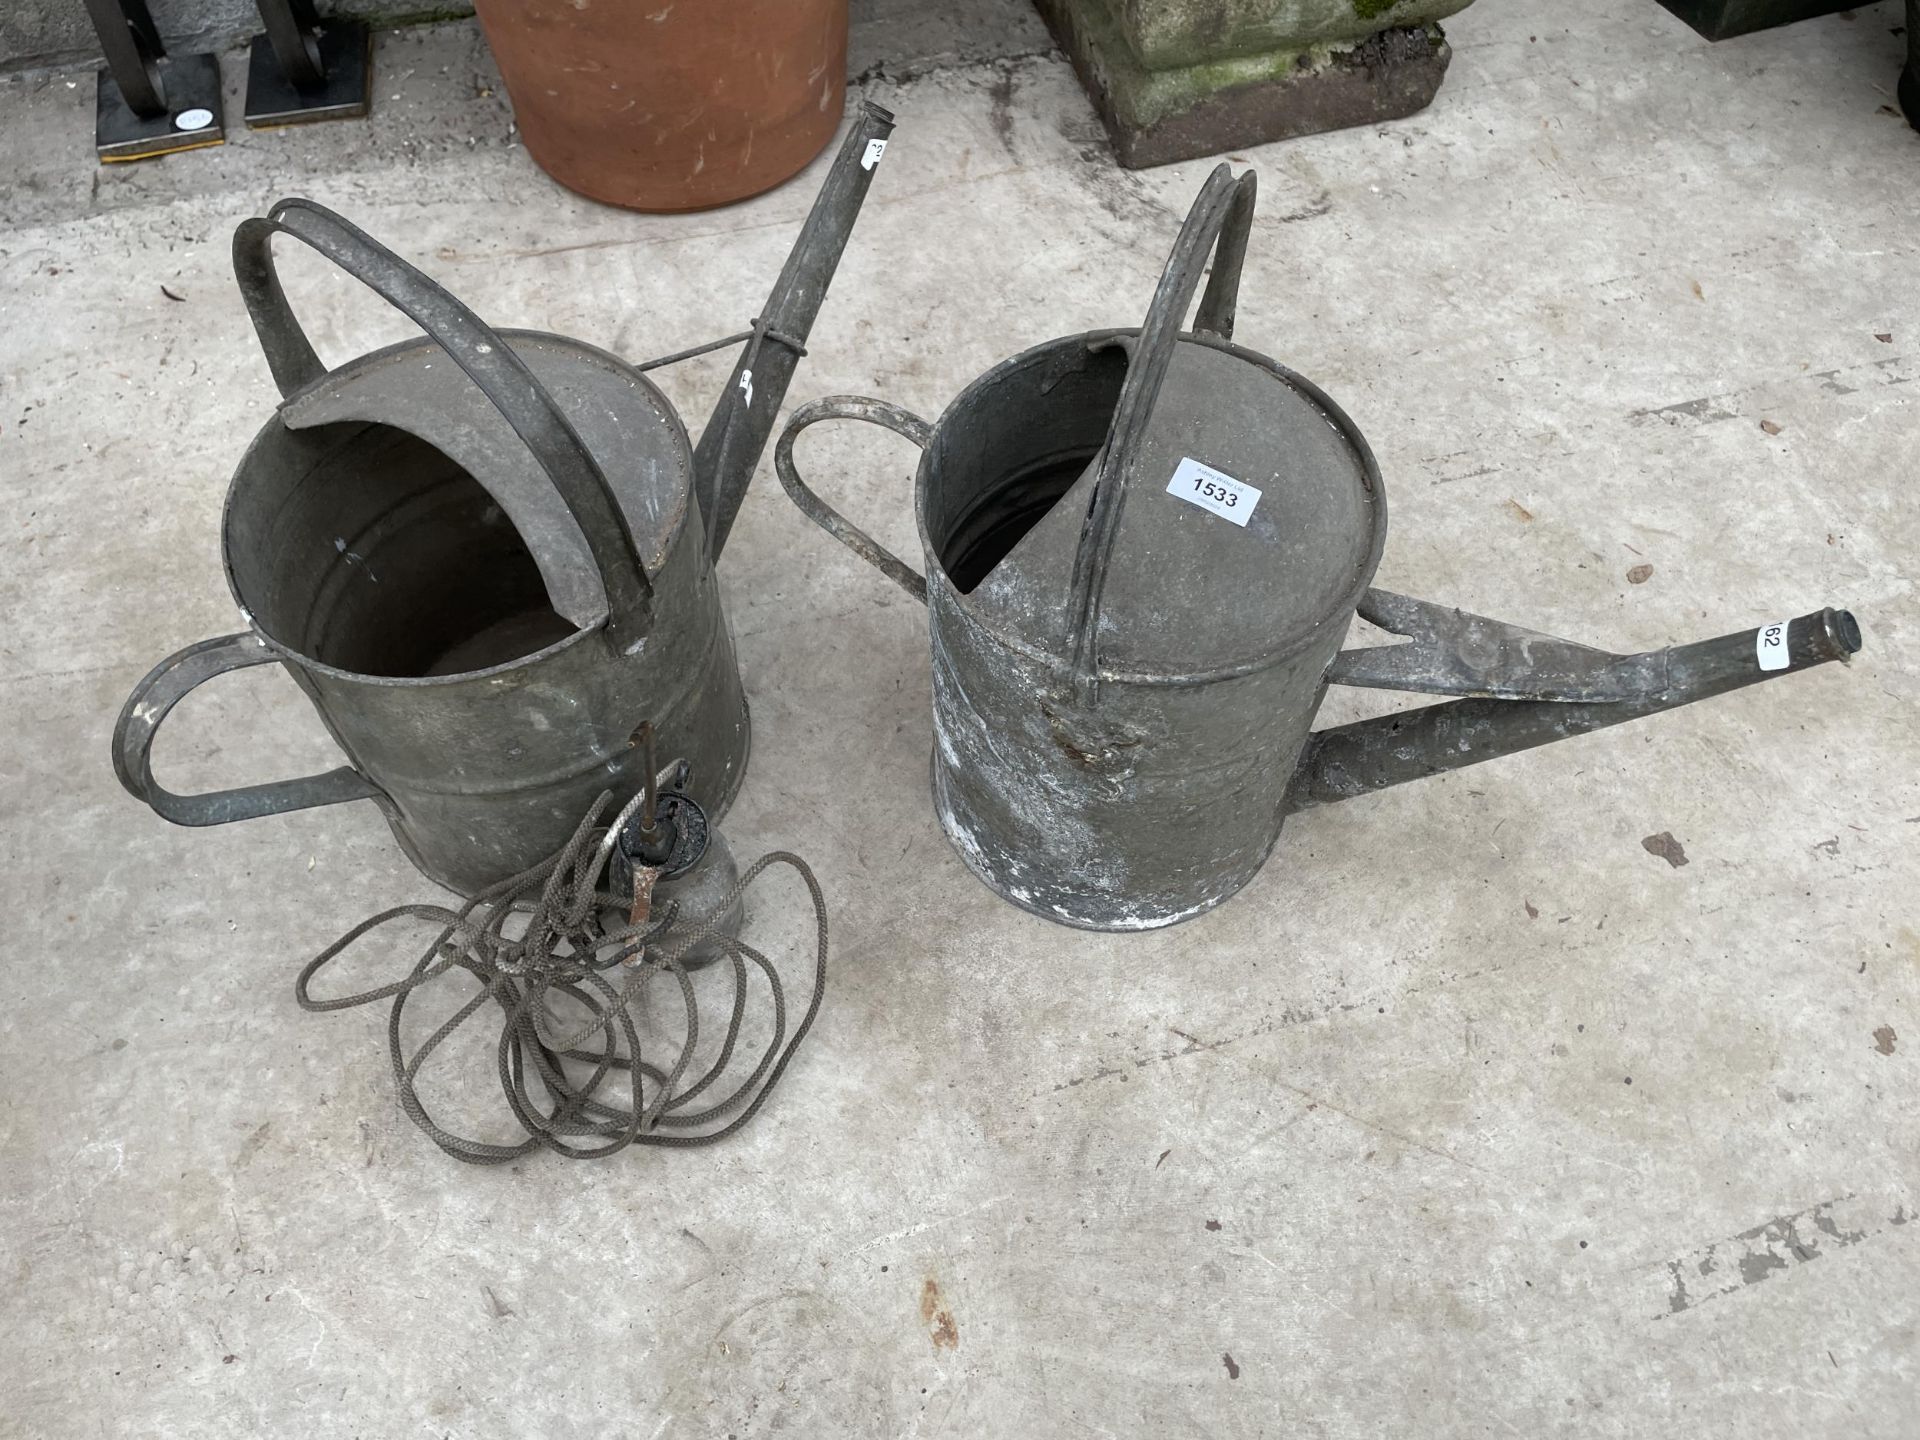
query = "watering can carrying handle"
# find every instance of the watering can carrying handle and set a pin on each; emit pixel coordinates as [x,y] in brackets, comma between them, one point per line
[488,361]
[164,687]
[1218,224]
[875,412]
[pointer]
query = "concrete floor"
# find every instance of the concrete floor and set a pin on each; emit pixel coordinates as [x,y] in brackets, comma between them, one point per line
[1469,1117]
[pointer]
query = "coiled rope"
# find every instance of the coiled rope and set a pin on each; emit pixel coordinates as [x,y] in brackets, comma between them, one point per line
[567,949]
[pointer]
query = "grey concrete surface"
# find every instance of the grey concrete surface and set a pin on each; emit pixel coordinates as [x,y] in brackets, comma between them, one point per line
[1356,1154]
[895,40]
[56,34]
[901,37]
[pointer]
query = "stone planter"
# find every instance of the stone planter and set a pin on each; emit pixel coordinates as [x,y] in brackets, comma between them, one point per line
[1720,19]
[1174,79]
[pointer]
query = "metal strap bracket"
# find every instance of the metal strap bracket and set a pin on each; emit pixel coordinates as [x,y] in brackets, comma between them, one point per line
[759,328]
[1454,652]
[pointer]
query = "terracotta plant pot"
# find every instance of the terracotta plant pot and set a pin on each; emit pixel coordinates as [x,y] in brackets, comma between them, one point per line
[671,104]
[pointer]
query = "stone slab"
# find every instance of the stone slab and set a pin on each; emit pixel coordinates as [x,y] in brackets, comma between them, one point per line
[1155,117]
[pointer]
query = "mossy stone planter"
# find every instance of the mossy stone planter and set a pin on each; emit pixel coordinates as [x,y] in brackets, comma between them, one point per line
[1174,79]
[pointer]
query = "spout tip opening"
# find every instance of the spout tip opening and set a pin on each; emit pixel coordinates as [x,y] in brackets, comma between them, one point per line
[1844,629]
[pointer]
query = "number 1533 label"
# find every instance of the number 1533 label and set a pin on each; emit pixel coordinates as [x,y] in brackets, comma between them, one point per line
[1214,490]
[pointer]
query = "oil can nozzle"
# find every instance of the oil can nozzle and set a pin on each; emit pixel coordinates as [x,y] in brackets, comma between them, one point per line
[668,833]
[678,842]
[685,863]
[665,852]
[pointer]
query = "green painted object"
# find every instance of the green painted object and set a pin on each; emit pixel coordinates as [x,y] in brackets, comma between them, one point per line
[1722,19]
[1232,73]
[1166,33]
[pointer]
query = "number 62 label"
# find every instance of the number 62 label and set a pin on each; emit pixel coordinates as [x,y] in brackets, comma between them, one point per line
[1214,490]
[1770,645]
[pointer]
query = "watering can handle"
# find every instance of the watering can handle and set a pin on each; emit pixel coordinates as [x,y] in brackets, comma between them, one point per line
[164,687]
[1217,224]
[875,412]
[488,361]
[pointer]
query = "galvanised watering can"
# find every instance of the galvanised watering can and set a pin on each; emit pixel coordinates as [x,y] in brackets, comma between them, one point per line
[1144,549]
[487,556]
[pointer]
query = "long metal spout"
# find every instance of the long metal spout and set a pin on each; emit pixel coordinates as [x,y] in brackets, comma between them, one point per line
[1370,755]
[730,447]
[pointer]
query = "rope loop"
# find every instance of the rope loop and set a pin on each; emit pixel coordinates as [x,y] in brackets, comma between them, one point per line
[569,952]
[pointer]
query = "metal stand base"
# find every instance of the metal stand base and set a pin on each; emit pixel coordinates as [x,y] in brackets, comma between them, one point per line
[1723,19]
[346,48]
[191,120]
[1910,77]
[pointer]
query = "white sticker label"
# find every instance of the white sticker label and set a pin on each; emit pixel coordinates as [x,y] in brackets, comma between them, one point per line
[746,385]
[1770,645]
[875,149]
[1210,489]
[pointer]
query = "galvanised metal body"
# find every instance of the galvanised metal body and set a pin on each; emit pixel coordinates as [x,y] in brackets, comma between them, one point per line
[1143,552]
[487,557]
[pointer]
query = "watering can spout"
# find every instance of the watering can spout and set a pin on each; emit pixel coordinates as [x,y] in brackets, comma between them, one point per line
[736,435]
[1525,690]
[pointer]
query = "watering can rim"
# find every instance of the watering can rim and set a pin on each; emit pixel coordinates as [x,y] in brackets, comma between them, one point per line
[360,677]
[1284,645]
[676,435]
[650,421]
[493,367]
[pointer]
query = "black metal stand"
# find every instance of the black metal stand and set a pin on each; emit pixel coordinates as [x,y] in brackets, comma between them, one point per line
[1724,19]
[300,70]
[147,104]
[1910,77]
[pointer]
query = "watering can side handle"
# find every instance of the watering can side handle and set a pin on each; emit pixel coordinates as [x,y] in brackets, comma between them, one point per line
[165,686]
[876,412]
[1217,225]
[500,374]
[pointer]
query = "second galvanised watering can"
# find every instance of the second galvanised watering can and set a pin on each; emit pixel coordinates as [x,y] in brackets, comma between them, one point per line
[1144,549]
[487,556]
